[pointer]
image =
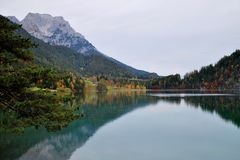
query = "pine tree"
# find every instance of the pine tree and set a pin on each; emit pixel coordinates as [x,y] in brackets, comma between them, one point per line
[15,58]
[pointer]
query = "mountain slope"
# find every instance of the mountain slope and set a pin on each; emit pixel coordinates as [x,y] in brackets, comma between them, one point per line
[64,58]
[61,47]
[225,74]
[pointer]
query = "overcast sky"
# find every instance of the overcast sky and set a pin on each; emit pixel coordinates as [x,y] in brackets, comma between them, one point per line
[162,36]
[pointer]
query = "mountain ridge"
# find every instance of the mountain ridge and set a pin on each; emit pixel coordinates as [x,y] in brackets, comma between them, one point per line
[58,55]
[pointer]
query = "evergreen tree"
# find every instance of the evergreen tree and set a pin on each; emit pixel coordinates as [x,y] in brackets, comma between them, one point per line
[21,104]
[15,58]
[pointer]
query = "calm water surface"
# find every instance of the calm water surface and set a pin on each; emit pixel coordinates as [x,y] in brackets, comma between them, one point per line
[133,126]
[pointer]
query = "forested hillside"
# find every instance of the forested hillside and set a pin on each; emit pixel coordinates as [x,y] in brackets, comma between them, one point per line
[64,58]
[225,74]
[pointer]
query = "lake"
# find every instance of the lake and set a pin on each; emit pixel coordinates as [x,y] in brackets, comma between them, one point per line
[138,126]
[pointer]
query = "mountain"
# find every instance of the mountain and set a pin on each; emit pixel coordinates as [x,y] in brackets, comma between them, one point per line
[56,31]
[60,46]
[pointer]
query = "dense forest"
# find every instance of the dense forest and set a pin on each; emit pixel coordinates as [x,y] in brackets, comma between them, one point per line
[225,74]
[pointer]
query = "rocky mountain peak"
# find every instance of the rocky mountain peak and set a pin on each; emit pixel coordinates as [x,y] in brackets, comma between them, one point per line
[56,31]
[48,24]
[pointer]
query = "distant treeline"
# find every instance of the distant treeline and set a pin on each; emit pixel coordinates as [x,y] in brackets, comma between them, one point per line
[225,74]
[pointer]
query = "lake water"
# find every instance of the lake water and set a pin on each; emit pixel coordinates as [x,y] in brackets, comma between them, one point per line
[138,126]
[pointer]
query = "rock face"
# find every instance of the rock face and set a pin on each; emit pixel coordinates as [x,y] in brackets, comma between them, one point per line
[13,19]
[56,31]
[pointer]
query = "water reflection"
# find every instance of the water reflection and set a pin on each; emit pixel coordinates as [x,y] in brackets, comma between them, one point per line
[100,110]
[225,106]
